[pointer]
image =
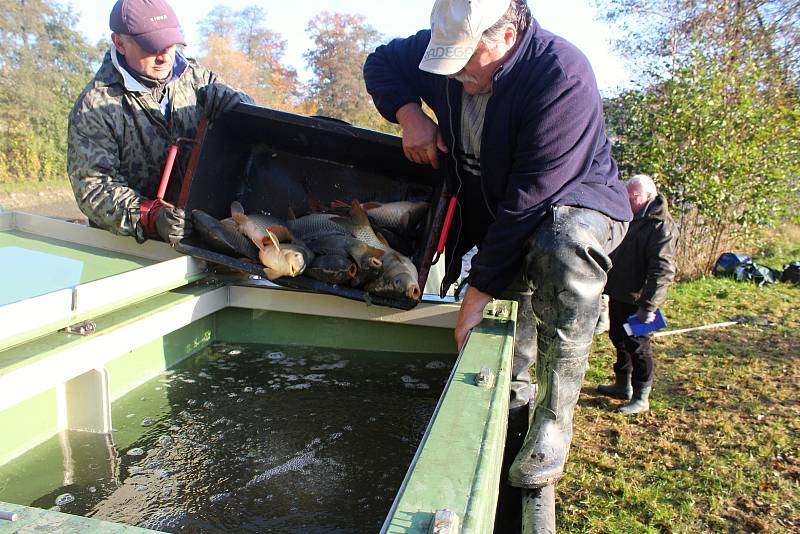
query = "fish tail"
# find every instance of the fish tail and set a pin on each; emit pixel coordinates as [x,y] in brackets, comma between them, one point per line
[358,214]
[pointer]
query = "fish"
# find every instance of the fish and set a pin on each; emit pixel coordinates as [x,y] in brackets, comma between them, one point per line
[223,236]
[399,217]
[287,259]
[398,277]
[324,234]
[332,269]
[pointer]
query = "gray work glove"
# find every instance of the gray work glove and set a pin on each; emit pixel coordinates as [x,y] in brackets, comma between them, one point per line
[218,99]
[645,316]
[172,224]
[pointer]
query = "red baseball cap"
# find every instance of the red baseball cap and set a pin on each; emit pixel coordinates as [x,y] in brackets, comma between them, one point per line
[152,23]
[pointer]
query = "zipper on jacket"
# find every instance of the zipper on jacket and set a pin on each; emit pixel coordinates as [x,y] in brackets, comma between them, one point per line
[447,267]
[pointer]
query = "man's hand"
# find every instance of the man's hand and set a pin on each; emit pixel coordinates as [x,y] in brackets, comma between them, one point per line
[470,314]
[218,99]
[645,316]
[172,224]
[421,136]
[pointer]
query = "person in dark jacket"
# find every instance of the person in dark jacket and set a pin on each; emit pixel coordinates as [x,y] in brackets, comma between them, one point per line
[521,136]
[644,267]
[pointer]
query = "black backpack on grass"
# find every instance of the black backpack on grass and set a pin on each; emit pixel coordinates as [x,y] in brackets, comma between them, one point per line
[791,272]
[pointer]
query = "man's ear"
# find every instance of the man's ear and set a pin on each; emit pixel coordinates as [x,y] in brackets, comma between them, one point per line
[119,43]
[510,35]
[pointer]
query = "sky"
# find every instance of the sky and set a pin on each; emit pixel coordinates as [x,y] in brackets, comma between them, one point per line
[571,19]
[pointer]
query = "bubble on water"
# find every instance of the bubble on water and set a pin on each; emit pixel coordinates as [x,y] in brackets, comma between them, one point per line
[176,428]
[232,395]
[166,441]
[201,374]
[191,402]
[64,498]
[135,469]
[408,380]
[248,389]
[92,489]
[372,419]
[260,391]
[208,405]
[148,421]
[329,366]
[135,452]
[219,497]
[420,385]
[230,379]
[348,428]
[298,387]
[189,380]
[315,377]
[234,352]
[343,384]
[161,473]
[436,364]
[336,435]
[166,491]
[277,355]
[239,400]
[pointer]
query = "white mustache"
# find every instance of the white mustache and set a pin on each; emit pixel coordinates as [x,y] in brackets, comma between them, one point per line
[464,78]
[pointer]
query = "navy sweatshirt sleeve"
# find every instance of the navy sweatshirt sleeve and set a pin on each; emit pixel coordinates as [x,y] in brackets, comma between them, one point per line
[554,150]
[392,74]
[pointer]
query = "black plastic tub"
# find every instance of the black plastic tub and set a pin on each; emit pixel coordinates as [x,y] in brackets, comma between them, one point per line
[272,162]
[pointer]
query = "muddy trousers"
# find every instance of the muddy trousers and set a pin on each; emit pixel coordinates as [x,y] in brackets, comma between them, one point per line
[634,355]
[565,265]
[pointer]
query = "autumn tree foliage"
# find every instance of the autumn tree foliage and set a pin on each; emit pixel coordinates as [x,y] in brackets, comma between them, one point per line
[341,45]
[249,56]
[44,65]
[715,116]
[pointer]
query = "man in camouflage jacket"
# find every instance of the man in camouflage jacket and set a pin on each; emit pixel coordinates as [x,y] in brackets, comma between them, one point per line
[145,95]
[644,267]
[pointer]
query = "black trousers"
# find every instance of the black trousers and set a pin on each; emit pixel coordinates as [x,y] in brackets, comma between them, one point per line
[634,354]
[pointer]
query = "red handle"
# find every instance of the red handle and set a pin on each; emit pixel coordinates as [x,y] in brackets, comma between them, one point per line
[448,220]
[162,187]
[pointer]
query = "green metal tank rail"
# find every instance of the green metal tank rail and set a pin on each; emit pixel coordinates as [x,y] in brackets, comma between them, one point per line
[458,463]
[36,520]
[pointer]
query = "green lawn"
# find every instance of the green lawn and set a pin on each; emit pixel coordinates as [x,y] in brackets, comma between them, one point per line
[720,449]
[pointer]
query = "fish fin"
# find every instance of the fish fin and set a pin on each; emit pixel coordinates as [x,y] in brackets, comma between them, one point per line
[237,213]
[315,205]
[339,204]
[290,216]
[358,214]
[371,205]
[270,238]
[375,252]
[382,239]
[281,232]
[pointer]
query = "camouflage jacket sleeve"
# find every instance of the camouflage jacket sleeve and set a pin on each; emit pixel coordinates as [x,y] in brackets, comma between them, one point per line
[103,195]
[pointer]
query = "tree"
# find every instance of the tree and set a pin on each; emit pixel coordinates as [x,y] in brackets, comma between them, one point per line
[44,65]
[239,47]
[716,118]
[342,43]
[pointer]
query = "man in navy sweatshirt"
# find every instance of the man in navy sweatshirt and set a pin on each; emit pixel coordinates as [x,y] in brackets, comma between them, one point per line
[521,135]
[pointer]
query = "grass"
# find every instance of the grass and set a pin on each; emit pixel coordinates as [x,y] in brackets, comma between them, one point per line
[31,186]
[720,449]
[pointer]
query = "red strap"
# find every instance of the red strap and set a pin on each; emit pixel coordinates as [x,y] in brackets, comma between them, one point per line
[448,221]
[148,211]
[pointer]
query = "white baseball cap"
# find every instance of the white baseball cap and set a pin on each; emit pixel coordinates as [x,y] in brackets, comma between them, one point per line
[456,29]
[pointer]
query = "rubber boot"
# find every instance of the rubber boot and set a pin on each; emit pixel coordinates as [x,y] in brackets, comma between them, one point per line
[544,453]
[603,321]
[620,389]
[640,402]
